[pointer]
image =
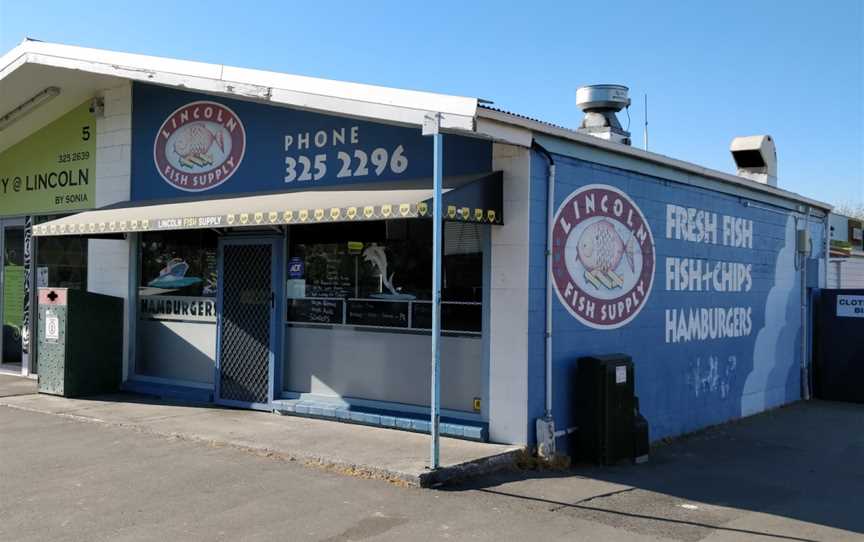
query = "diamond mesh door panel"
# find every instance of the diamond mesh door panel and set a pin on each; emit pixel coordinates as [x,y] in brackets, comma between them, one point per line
[245,335]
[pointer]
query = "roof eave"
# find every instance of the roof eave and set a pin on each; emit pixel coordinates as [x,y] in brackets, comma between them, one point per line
[371,102]
[659,159]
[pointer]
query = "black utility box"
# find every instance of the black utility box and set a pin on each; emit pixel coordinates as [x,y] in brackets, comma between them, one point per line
[605,409]
[641,440]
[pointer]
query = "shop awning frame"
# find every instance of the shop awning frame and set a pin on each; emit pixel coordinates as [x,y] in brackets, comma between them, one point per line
[478,201]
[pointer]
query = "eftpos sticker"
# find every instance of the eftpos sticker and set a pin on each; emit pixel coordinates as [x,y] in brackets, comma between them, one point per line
[296,268]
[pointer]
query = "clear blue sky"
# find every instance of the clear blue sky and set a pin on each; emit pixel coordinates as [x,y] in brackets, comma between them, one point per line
[712,70]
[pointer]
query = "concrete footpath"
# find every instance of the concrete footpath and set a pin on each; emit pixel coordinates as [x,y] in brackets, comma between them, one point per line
[359,450]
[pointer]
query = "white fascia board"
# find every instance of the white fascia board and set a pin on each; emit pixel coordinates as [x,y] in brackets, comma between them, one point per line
[85,56]
[322,95]
[636,154]
[504,132]
[410,99]
[11,61]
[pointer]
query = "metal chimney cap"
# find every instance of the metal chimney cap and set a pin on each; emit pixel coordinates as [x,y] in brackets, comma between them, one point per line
[602,97]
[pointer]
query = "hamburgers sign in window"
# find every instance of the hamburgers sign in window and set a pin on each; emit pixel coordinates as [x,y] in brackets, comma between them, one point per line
[850,306]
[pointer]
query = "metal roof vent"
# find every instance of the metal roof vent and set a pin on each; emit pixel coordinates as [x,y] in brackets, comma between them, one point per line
[756,158]
[600,104]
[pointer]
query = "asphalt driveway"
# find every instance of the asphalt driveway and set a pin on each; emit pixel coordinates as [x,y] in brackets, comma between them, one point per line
[792,474]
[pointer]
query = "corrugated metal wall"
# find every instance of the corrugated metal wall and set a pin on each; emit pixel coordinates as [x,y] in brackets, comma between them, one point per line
[846,272]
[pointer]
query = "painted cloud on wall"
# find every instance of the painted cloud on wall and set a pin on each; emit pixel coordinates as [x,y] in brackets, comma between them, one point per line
[775,353]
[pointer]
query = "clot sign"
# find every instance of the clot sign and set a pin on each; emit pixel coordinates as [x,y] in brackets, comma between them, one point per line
[199,146]
[602,256]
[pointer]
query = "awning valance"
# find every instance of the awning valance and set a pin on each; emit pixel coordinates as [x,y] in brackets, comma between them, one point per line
[479,201]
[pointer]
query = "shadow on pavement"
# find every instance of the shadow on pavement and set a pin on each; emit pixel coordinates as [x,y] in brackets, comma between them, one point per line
[14,385]
[804,461]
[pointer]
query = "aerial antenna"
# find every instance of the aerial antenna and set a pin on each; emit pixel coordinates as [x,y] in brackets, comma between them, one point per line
[646,122]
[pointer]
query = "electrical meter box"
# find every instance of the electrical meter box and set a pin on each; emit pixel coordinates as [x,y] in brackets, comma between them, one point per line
[80,342]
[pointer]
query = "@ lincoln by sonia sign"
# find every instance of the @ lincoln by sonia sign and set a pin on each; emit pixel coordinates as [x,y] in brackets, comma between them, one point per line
[199,146]
[602,256]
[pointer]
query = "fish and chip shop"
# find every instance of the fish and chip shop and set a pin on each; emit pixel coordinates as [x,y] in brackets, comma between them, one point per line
[272,238]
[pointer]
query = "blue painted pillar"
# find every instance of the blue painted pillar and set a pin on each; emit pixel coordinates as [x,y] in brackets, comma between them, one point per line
[437,225]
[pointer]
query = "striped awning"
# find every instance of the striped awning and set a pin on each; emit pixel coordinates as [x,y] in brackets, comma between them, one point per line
[479,201]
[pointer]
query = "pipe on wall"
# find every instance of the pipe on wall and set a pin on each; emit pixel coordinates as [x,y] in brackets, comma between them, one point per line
[804,254]
[826,248]
[546,433]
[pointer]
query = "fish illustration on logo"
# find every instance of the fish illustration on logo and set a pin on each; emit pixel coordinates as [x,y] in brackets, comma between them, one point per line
[603,256]
[600,249]
[193,143]
[199,146]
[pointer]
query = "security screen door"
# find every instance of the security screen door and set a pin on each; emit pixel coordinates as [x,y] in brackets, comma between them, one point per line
[247,321]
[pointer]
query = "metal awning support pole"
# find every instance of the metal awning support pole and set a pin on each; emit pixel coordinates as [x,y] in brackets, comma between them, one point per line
[431,126]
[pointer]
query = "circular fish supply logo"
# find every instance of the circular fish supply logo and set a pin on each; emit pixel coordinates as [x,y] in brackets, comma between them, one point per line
[199,146]
[602,256]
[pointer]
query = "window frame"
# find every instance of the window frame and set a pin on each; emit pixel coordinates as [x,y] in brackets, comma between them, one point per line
[409,327]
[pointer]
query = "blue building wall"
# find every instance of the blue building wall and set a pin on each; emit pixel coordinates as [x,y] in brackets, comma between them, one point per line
[537,292]
[687,380]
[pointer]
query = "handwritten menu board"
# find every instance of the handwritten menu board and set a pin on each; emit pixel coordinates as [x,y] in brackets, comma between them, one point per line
[320,311]
[372,312]
[329,271]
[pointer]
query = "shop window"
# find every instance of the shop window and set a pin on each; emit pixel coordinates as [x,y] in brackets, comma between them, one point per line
[178,263]
[176,331]
[379,274]
[61,262]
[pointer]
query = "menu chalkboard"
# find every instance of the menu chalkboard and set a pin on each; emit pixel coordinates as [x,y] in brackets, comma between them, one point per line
[321,311]
[329,271]
[372,312]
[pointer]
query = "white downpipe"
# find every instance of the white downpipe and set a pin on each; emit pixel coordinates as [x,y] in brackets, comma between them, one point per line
[805,365]
[550,214]
[826,248]
[545,426]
